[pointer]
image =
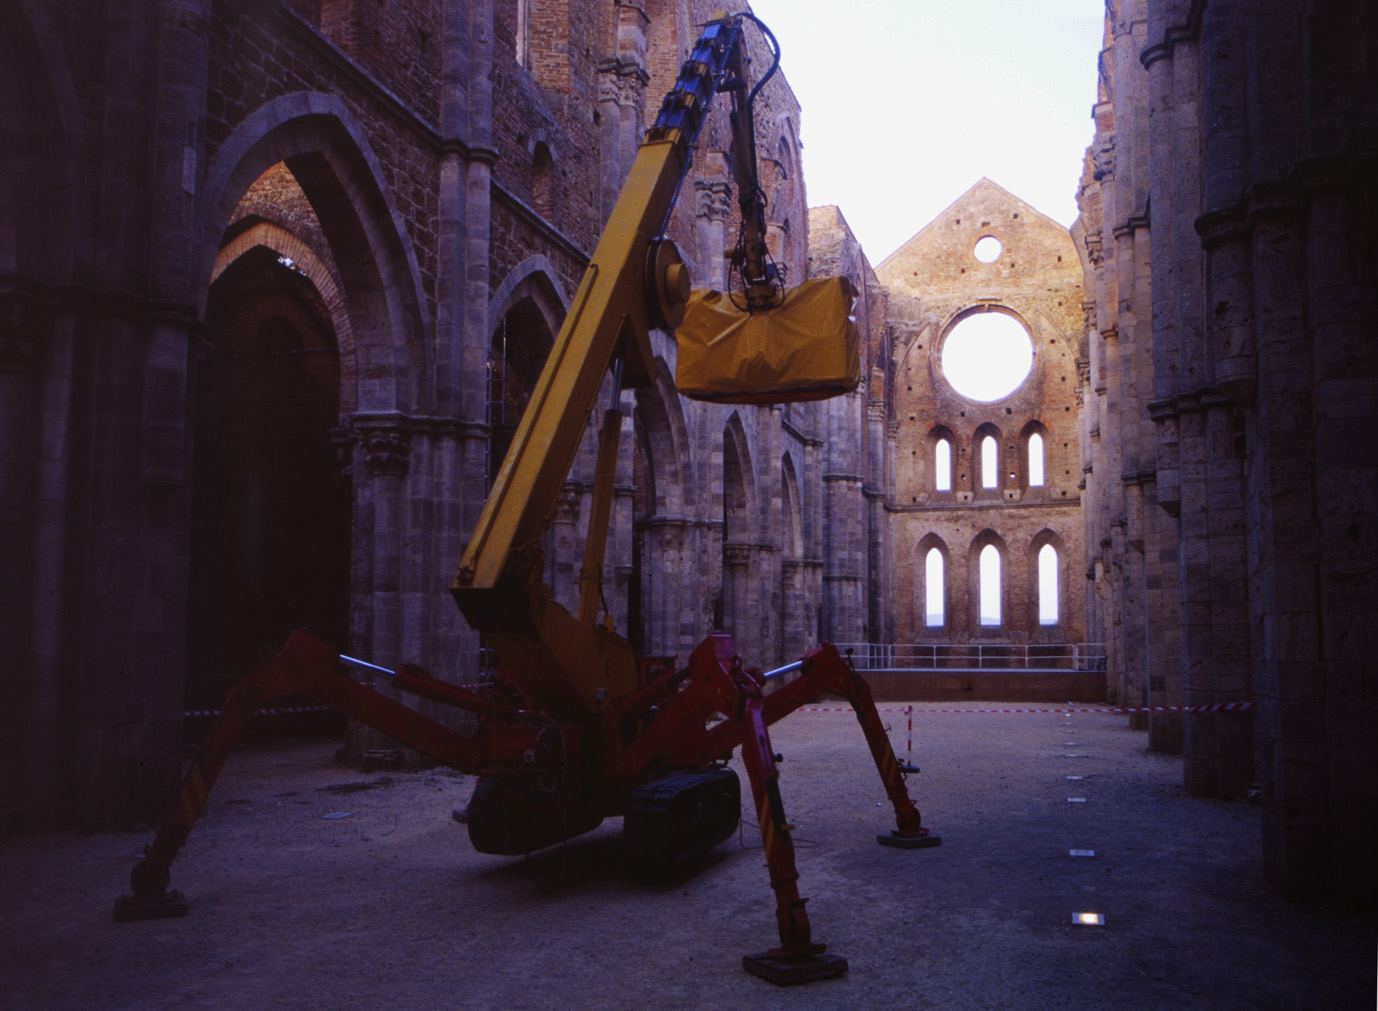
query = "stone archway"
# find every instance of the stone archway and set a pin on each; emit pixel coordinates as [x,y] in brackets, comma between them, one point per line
[664,541]
[270,527]
[314,139]
[300,169]
[524,317]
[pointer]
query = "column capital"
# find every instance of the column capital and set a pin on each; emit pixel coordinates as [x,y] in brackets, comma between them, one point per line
[715,199]
[386,447]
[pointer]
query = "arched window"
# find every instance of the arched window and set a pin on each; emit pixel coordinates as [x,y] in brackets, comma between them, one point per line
[990,463]
[935,614]
[1047,585]
[1035,461]
[990,585]
[942,465]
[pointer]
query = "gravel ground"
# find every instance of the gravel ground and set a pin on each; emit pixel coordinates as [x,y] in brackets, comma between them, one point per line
[386,905]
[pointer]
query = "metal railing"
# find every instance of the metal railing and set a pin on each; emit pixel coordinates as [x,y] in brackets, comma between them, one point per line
[1075,656]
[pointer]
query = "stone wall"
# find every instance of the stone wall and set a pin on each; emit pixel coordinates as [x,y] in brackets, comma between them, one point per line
[404,187]
[1228,211]
[935,282]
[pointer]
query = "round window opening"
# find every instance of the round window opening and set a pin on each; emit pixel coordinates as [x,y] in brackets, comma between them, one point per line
[987,249]
[987,356]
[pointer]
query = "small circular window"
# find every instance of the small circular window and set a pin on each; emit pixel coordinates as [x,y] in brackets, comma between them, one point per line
[987,249]
[987,356]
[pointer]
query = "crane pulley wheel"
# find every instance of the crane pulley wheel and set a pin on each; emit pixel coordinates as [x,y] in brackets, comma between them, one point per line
[667,277]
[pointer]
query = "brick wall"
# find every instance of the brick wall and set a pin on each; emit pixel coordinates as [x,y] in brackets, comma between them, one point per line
[935,280]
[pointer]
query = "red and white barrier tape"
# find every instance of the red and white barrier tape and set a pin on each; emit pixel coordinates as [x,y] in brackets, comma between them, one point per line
[1216,707]
[264,712]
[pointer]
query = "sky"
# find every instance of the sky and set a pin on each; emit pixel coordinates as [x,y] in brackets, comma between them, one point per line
[905,104]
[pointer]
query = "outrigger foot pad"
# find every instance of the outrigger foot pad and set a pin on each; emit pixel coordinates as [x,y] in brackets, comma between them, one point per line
[785,971]
[162,907]
[909,842]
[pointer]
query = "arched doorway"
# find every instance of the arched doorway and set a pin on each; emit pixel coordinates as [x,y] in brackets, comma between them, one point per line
[667,596]
[299,224]
[517,351]
[270,540]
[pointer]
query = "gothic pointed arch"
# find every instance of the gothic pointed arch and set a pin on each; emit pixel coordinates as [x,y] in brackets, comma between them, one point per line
[1049,569]
[328,154]
[934,586]
[988,458]
[660,589]
[667,458]
[940,457]
[299,253]
[524,315]
[535,278]
[987,565]
[738,484]
[270,542]
[1030,462]
[796,608]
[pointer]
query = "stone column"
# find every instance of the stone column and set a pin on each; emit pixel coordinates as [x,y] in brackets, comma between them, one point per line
[883,544]
[794,628]
[381,454]
[737,592]
[617,567]
[1286,606]
[663,582]
[622,80]
[24,339]
[462,282]
[1341,321]
[764,606]
[714,208]
[384,450]
[564,546]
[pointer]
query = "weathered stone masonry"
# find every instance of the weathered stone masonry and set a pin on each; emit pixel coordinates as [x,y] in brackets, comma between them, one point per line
[935,281]
[275,279]
[276,275]
[1229,211]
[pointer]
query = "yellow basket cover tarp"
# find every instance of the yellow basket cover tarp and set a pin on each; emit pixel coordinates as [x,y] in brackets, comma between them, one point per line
[806,349]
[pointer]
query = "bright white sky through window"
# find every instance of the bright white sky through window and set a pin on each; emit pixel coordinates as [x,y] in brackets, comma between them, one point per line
[907,103]
[1047,585]
[990,585]
[933,588]
[987,355]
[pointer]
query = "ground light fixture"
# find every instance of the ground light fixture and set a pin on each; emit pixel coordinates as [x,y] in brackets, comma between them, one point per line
[1088,919]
